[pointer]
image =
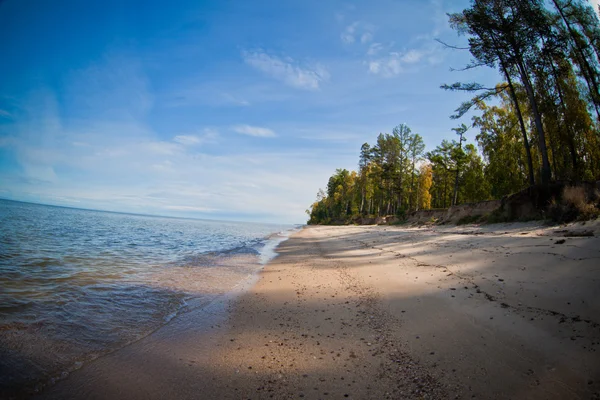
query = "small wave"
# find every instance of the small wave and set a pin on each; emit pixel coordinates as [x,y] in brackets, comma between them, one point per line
[88,282]
[269,251]
[263,248]
[215,258]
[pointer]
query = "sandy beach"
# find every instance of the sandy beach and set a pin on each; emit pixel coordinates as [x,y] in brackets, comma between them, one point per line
[375,312]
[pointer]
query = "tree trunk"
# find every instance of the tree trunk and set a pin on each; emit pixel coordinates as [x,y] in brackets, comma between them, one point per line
[445,190]
[570,134]
[417,197]
[400,193]
[455,194]
[519,116]
[362,200]
[546,172]
[412,185]
[587,71]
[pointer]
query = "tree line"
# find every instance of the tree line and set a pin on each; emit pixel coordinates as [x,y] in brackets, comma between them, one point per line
[542,123]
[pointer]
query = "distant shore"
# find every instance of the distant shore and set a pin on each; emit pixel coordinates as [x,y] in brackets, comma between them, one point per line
[372,312]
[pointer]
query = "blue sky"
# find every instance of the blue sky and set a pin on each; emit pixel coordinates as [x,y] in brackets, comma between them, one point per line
[222,110]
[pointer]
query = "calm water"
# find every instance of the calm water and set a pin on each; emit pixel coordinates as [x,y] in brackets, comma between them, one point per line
[76,284]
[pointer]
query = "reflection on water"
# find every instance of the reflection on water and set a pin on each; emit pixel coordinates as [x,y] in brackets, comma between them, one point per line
[75,284]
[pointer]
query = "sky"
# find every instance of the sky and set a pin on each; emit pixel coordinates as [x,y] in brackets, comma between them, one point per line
[214,109]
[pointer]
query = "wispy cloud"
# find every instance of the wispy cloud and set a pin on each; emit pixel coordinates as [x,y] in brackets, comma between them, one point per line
[187,140]
[125,131]
[374,48]
[383,57]
[4,114]
[162,148]
[347,35]
[125,172]
[254,131]
[209,135]
[287,70]
[387,66]
[357,32]
[395,63]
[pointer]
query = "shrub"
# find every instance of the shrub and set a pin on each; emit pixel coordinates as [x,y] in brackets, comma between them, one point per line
[574,205]
[574,196]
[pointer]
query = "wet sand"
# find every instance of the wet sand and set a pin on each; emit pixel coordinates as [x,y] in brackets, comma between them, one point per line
[497,312]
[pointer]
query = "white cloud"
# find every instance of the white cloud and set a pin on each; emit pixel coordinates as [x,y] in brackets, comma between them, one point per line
[395,63]
[357,32]
[210,135]
[366,37]
[165,166]
[123,164]
[412,56]
[387,66]
[287,70]
[187,140]
[254,131]
[162,147]
[384,58]
[347,35]
[374,48]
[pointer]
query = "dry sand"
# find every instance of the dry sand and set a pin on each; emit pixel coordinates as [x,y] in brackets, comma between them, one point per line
[498,312]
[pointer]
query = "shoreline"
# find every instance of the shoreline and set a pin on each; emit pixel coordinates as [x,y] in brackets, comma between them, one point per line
[383,312]
[203,291]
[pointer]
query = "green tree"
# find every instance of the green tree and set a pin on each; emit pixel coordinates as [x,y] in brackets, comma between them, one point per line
[505,32]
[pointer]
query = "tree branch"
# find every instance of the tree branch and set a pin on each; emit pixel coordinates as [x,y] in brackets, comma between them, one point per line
[468,87]
[467,105]
[450,46]
[468,67]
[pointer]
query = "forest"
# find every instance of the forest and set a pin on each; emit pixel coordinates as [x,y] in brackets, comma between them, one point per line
[539,125]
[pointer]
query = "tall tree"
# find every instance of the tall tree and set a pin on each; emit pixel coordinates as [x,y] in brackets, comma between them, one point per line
[416,149]
[403,137]
[425,179]
[581,41]
[501,31]
[363,168]
[459,156]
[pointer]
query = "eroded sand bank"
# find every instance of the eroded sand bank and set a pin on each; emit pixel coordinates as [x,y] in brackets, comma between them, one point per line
[506,312]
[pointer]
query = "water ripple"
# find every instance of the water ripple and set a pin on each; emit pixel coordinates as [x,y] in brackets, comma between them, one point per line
[75,284]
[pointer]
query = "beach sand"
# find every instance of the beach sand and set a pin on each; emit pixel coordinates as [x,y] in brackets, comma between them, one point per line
[375,312]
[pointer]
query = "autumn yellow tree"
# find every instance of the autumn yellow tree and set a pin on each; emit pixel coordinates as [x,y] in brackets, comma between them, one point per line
[423,185]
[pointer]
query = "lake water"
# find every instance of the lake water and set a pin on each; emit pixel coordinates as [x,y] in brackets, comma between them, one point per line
[77,284]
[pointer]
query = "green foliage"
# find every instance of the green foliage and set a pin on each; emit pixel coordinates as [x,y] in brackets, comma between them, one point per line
[543,122]
[392,179]
[548,54]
